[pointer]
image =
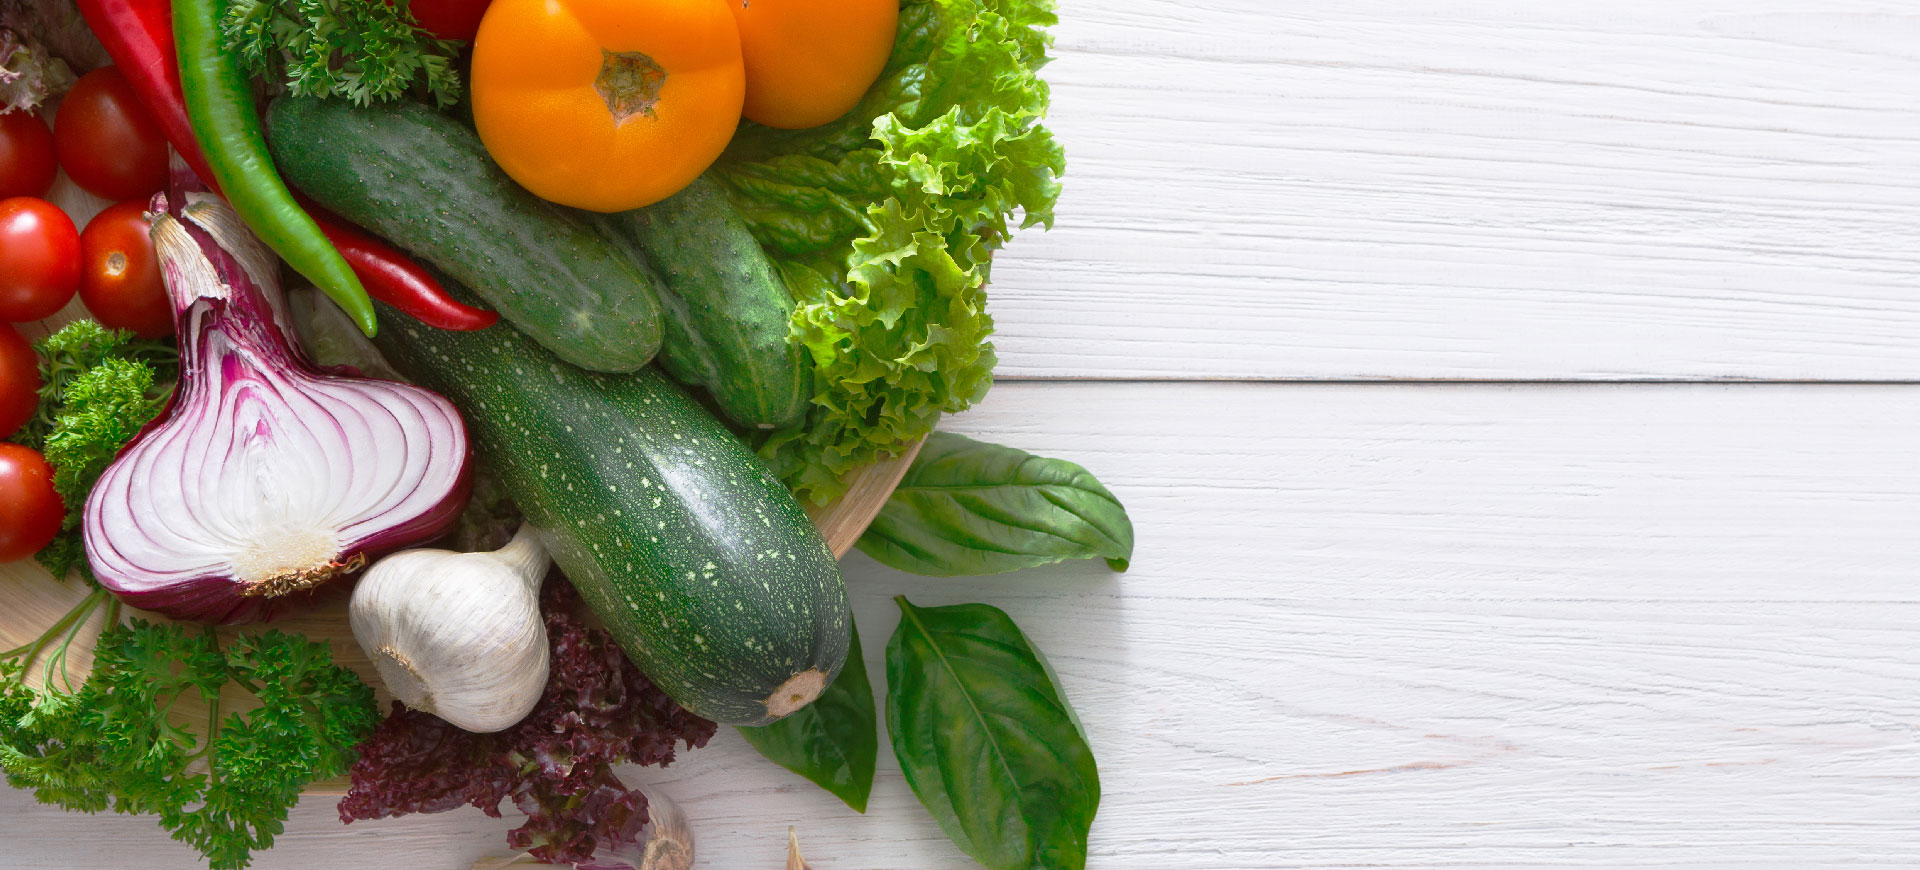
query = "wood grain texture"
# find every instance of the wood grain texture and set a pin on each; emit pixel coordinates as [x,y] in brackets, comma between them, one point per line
[1500,189]
[1394,626]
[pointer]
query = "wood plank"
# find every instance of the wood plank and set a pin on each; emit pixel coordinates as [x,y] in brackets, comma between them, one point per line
[1348,189]
[1394,626]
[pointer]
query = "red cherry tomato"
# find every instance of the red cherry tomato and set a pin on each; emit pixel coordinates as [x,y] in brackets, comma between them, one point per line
[30,509]
[120,279]
[449,19]
[19,381]
[39,259]
[107,139]
[26,155]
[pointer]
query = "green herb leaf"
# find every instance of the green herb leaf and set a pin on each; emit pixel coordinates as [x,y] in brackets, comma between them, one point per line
[76,349]
[968,508]
[834,740]
[987,740]
[99,387]
[365,51]
[104,408]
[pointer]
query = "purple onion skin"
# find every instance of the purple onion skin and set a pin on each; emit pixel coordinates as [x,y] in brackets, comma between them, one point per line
[237,333]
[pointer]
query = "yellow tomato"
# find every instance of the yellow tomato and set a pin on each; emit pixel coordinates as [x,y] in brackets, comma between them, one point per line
[606,105]
[809,61]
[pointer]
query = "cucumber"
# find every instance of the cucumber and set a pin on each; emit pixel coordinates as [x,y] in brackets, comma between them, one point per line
[725,305]
[423,181]
[697,560]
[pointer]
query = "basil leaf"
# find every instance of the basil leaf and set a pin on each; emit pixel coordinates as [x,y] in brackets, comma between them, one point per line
[832,741]
[987,740]
[968,508]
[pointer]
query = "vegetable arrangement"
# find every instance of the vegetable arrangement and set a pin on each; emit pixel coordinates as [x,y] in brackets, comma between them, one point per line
[810,280]
[138,34]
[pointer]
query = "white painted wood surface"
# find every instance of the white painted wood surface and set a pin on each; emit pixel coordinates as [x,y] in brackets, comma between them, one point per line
[1395,626]
[1429,625]
[1590,189]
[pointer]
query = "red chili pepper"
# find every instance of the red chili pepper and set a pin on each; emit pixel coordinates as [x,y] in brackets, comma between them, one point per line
[138,35]
[392,278]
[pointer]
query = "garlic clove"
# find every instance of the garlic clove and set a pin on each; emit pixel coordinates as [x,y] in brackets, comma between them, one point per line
[669,834]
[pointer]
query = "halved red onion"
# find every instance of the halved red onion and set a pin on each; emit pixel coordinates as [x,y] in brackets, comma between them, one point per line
[268,477]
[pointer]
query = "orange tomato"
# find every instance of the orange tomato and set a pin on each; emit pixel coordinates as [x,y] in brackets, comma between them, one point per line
[606,105]
[810,61]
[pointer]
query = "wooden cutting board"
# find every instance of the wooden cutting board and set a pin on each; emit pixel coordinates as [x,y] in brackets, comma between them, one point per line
[31,599]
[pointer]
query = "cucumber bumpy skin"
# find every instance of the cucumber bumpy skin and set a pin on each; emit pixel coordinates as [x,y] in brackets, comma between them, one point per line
[726,308]
[698,561]
[424,182]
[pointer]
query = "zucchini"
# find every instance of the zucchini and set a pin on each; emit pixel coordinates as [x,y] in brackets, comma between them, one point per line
[726,307]
[697,560]
[423,181]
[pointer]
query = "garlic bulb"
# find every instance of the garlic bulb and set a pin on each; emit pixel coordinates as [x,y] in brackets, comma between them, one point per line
[458,635]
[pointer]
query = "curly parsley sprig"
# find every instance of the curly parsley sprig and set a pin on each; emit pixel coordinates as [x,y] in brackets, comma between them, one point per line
[109,744]
[78,348]
[100,387]
[366,51]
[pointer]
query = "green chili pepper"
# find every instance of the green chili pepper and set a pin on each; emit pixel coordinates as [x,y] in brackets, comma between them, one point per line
[220,107]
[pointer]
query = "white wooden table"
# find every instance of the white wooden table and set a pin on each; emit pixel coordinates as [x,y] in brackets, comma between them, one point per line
[1562,612]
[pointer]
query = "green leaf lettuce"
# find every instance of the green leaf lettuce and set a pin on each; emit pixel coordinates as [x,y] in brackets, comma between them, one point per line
[885,223]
